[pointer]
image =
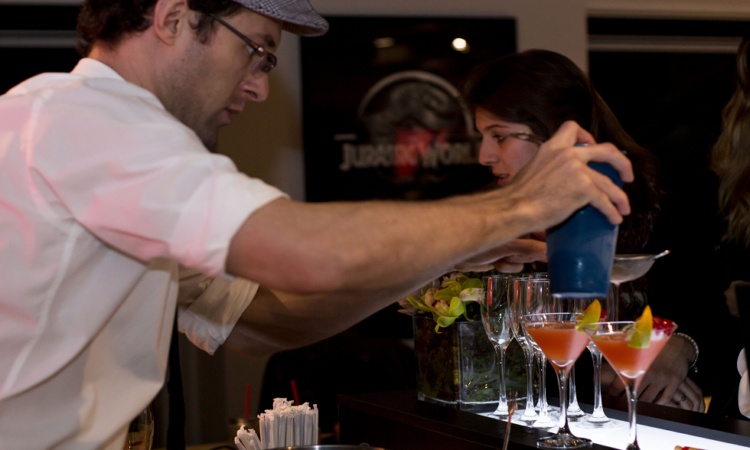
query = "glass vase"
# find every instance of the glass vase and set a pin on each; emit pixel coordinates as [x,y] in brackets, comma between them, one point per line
[458,367]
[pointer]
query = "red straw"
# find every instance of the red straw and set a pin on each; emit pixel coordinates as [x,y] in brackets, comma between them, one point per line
[247,401]
[295,394]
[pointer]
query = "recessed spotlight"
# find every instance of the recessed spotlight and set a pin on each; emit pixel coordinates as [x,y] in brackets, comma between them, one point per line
[460,45]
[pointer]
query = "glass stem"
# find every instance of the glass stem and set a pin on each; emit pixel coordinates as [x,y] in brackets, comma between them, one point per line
[542,385]
[562,381]
[529,411]
[572,394]
[503,402]
[596,355]
[630,390]
[613,307]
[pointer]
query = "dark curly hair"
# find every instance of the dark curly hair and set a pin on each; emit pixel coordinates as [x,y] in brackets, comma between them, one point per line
[108,21]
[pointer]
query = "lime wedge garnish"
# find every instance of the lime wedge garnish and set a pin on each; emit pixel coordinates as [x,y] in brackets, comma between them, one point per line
[590,315]
[641,337]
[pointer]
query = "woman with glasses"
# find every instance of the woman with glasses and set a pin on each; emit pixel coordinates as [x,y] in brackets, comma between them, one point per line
[519,101]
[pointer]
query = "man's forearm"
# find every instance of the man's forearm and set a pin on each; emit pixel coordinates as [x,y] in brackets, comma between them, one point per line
[369,246]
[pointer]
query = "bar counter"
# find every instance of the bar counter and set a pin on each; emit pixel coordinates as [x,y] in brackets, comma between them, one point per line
[398,421]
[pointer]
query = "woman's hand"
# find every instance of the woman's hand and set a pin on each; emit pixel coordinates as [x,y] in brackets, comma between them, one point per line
[688,397]
[665,382]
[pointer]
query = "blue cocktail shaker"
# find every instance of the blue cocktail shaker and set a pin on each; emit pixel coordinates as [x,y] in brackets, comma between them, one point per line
[581,250]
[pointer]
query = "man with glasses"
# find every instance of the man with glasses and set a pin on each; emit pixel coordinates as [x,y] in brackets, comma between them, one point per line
[114,214]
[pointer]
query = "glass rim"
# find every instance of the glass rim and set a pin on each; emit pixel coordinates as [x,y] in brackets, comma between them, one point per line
[523,317]
[620,322]
[535,279]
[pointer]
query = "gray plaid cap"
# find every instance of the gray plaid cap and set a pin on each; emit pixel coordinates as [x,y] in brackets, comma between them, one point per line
[298,16]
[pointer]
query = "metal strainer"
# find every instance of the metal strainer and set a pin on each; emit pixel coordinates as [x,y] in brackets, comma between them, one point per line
[630,267]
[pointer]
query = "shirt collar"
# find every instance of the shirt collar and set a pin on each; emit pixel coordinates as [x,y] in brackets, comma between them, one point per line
[91,68]
[95,69]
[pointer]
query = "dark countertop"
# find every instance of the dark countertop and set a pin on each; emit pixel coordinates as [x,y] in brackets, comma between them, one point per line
[398,421]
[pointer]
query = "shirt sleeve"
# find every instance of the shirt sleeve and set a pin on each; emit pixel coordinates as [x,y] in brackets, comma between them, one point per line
[208,308]
[744,391]
[138,179]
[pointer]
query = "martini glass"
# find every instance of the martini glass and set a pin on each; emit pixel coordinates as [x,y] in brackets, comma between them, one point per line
[630,363]
[558,337]
[495,310]
[516,293]
[625,268]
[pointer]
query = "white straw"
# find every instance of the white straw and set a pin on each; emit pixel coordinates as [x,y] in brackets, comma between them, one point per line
[289,429]
[263,431]
[315,424]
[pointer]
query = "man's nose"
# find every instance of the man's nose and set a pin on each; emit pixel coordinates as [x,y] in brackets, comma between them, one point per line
[255,87]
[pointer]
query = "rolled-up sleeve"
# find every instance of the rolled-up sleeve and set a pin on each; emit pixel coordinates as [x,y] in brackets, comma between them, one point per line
[208,308]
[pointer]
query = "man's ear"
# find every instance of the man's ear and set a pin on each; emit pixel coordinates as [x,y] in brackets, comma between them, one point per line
[170,19]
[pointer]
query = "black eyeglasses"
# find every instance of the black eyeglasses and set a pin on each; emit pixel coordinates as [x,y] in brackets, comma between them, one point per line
[266,60]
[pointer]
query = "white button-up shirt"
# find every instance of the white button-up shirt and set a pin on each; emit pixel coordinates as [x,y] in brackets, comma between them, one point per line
[102,194]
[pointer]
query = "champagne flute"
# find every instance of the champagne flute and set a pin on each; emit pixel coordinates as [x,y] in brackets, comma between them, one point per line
[141,431]
[574,410]
[516,293]
[535,298]
[495,310]
[558,336]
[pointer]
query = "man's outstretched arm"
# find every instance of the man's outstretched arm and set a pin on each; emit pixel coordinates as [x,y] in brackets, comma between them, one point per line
[324,267]
[360,248]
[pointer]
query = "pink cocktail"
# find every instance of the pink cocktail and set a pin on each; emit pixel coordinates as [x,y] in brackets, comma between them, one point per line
[630,357]
[557,335]
[561,343]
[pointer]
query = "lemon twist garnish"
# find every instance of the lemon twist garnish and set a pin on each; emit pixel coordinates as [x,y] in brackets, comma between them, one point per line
[590,315]
[641,337]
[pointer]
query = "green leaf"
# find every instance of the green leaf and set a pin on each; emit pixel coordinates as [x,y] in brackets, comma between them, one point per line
[445,321]
[472,283]
[417,304]
[457,307]
[453,285]
[461,278]
[445,294]
[443,311]
[437,329]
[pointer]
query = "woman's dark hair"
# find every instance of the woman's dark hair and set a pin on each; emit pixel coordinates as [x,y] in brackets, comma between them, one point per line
[543,89]
[108,21]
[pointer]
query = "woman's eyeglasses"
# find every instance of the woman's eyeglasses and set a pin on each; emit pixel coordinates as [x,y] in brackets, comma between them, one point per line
[527,137]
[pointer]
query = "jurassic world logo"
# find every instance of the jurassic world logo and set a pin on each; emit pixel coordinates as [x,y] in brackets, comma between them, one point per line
[412,127]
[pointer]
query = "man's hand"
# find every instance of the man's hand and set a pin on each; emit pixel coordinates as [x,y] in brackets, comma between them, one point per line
[509,257]
[665,381]
[558,180]
[731,295]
